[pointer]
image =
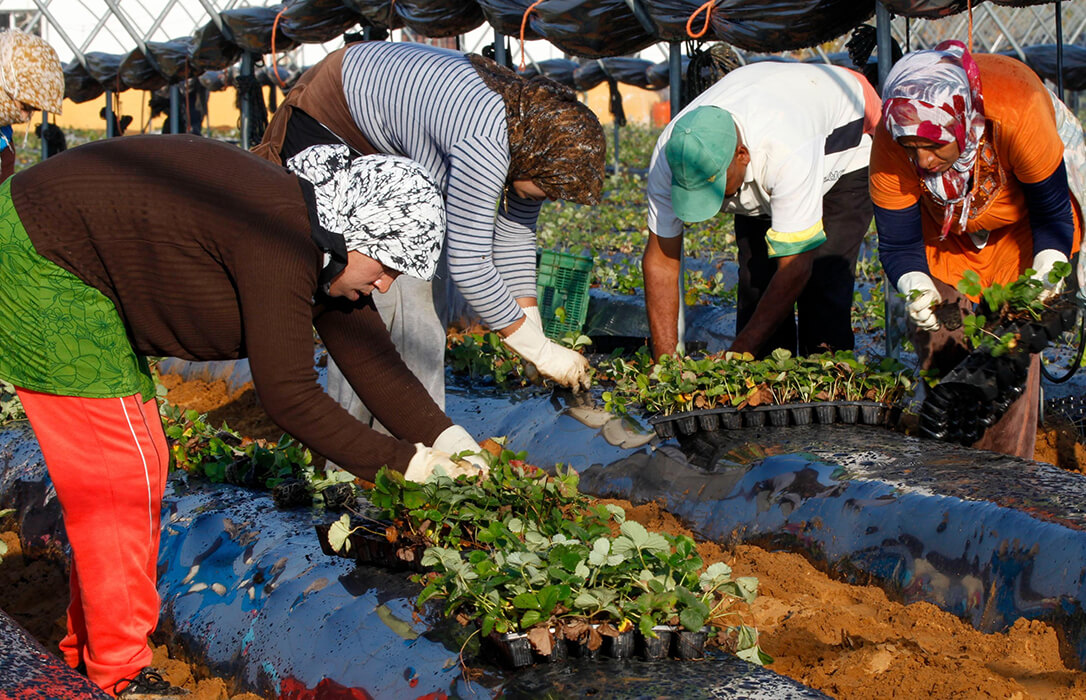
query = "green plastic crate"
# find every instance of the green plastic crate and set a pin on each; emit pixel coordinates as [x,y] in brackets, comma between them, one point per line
[562,288]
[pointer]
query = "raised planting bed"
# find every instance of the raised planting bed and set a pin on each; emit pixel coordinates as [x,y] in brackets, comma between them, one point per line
[248,593]
[988,537]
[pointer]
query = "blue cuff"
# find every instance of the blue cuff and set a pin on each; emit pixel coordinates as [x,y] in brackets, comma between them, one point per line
[901,241]
[1050,212]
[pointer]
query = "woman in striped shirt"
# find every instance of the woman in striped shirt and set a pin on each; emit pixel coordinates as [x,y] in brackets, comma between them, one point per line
[495,143]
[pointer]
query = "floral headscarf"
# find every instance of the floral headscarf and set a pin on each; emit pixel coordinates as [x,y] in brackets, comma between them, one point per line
[30,72]
[936,95]
[386,207]
[554,140]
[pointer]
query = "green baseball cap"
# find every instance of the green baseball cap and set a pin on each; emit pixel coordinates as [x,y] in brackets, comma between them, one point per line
[699,152]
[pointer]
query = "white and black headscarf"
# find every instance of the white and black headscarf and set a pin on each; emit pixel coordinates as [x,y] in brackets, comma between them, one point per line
[386,207]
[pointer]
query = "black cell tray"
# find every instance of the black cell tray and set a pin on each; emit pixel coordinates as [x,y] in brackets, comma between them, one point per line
[779,416]
[513,650]
[370,548]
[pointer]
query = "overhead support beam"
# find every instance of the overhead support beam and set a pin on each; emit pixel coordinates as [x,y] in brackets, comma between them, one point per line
[56,27]
[1006,32]
[115,8]
[1059,49]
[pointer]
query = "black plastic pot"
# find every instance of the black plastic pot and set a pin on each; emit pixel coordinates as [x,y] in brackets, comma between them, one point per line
[620,647]
[753,418]
[688,425]
[690,645]
[512,650]
[802,413]
[826,413]
[708,421]
[872,413]
[654,649]
[730,419]
[848,412]
[664,428]
[778,416]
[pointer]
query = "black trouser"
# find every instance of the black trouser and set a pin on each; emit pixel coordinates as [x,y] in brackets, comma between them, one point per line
[824,307]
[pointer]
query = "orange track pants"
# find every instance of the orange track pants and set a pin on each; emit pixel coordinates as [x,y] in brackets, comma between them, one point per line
[107,459]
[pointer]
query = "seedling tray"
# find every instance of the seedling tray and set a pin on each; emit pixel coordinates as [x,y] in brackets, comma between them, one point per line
[514,650]
[777,416]
[374,549]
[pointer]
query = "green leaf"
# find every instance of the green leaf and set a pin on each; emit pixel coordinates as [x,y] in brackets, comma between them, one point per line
[526,601]
[338,534]
[692,618]
[530,618]
[636,532]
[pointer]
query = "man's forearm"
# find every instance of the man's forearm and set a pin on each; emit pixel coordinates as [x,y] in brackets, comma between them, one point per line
[776,303]
[662,303]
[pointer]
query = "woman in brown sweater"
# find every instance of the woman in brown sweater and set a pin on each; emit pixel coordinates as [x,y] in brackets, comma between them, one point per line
[187,247]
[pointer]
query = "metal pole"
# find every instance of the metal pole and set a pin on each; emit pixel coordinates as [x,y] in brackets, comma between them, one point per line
[675,90]
[1059,50]
[616,147]
[884,40]
[175,109]
[675,76]
[44,142]
[499,48]
[109,115]
[245,77]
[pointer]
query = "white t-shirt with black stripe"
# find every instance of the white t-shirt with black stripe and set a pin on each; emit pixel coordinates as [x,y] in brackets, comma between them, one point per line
[803,125]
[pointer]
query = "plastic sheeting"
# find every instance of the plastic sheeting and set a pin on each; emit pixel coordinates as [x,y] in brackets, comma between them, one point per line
[560,70]
[631,71]
[440,18]
[105,68]
[211,50]
[590,29]
[172,58]
[139,72]
[251,29]
[316,21]
[79,85]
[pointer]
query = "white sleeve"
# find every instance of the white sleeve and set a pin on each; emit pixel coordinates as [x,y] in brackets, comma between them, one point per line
[662,220]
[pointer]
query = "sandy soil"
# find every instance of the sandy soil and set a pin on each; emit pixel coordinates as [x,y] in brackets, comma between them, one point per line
[853,642]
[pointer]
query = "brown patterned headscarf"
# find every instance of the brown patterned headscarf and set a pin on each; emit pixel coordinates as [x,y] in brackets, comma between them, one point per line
[30,72]
[554,140]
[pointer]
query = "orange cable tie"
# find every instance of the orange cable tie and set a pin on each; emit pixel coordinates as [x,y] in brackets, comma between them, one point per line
[275,61]
[523,24]
[708,7]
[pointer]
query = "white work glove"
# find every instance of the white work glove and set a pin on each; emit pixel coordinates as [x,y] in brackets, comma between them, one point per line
[1043,262]
[920,310]
[428,463]
[454,440]
[532,314]
[565,366]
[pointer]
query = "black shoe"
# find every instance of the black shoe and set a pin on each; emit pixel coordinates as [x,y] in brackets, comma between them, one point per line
[148,685]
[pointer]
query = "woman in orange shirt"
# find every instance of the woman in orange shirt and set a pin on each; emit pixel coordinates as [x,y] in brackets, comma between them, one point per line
[969,174]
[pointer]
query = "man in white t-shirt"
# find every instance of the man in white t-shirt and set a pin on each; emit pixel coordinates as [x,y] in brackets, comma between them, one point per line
[785,147]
